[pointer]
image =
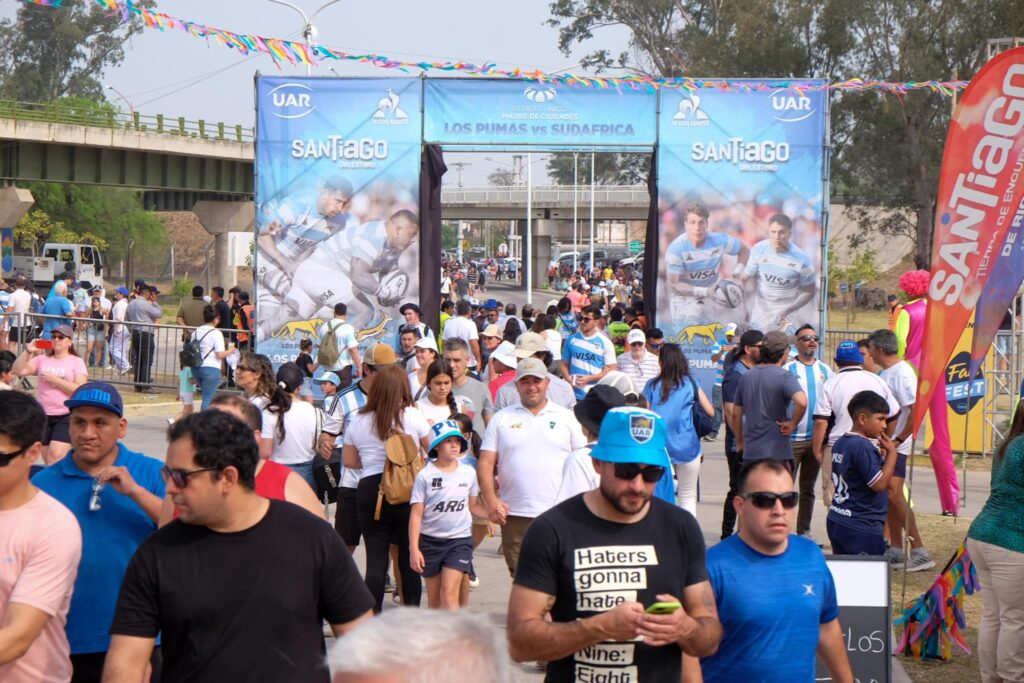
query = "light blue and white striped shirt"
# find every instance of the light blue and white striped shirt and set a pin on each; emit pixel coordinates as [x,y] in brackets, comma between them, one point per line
[699,265]
[587,356]
[812,378]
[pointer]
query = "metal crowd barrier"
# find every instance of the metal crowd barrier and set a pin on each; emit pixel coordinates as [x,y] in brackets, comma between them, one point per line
[165,363]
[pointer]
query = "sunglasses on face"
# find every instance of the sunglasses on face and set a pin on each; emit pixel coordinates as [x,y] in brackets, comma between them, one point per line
[180,477]
[657,345]
[808,338]
[586,319]
[244,368]
[6,458]
[627,471]
[764,500]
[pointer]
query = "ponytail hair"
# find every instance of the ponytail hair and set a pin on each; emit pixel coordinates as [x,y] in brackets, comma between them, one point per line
[466,427]
[289,378]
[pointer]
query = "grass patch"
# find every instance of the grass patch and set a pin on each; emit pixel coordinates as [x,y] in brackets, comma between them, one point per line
[942,536]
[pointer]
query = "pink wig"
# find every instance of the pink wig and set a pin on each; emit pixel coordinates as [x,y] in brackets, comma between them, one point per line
[914,283]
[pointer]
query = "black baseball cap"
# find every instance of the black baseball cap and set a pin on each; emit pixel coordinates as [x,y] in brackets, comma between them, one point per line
[751,338]
[97,395]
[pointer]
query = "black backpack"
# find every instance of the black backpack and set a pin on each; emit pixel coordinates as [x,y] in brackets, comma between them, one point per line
[191,356]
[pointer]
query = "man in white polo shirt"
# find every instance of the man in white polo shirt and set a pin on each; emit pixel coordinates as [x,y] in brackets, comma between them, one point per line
[529,443]
[831,414]
[637,363]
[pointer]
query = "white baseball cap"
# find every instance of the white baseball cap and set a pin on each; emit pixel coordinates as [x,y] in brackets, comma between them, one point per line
[503,353]
[426,343]
[636,335]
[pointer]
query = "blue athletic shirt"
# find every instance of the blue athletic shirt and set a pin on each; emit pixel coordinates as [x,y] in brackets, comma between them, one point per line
[770,633]
[110,536]
[587,356]
[856,464]
[699,266]
[812,379]
[58,305]
[778,274]
[682,442]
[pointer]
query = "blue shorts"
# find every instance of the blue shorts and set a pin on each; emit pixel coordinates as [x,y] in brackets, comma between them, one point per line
[849,541]
[901,466]
[454,553]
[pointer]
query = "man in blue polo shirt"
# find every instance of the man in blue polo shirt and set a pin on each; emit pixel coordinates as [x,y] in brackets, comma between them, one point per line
[115,494]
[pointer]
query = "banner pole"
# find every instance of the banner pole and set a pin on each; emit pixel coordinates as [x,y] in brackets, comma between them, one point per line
[906,520]
[575,209]
[528,261]
[592,160]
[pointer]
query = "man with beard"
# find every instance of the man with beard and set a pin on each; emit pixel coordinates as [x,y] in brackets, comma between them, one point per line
[354,265]
[620,573]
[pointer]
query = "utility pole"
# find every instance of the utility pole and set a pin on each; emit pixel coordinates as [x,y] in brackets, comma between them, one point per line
[459,165]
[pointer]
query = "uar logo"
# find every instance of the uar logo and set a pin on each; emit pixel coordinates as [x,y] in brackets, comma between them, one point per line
[790,107]
[641,428]
[292,100]
[540,95]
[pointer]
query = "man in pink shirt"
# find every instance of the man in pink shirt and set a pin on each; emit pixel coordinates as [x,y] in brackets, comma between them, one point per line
[40,544]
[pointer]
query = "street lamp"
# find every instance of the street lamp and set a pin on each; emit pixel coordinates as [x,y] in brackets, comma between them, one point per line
[575,206]
[131,109]
[309,31]
[591,212]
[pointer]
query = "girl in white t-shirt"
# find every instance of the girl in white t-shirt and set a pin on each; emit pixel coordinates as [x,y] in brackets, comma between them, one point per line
[440,403]
[443,503]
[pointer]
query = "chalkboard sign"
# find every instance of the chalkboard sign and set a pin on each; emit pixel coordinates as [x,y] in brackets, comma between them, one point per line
[862,589]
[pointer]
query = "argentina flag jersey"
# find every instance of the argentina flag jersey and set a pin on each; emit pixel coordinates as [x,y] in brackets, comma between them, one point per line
[779,274]
[587,356]
[367,242]
[812,378]
[699,266]
[303,230]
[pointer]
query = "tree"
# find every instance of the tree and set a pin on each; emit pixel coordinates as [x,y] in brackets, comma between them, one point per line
[503,177]
[47,53]
[36,228]
[112,215]
[610,168]
[861,269]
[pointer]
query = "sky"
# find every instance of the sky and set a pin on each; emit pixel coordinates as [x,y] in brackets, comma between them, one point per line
[173,73]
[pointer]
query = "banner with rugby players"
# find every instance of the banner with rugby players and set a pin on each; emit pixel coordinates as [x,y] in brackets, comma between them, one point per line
[337,185]
[742,181]
[980,190]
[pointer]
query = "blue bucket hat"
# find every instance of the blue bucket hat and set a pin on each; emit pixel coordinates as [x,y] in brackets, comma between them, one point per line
[328,377]
[632,434]
[489,304]
[445,430]
[849,352]
[97,395]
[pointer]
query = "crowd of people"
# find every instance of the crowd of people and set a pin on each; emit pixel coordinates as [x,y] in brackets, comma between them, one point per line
[575,431]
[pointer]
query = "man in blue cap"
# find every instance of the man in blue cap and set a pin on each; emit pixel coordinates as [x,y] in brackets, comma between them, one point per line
[620,572]
[115,494]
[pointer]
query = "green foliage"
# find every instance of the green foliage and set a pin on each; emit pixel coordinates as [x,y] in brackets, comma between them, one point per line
[47,53]
[610,168]
[183,287]
[37,228]
[112,215]
[448,236]
[503,177]
[861,269]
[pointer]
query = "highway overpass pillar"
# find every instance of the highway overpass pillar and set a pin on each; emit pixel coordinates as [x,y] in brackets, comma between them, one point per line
[219,218]
[14,203]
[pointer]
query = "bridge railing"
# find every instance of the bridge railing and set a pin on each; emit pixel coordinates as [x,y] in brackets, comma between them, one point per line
[101,117]
[557,194]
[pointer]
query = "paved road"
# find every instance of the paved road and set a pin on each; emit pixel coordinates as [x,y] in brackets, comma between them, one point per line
[147,434]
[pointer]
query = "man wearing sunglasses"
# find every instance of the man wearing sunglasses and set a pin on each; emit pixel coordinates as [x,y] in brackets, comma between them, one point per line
[597,562]
[811,373]
[40,544]
[587,355]
[115,494]
[793,613]
[238,586]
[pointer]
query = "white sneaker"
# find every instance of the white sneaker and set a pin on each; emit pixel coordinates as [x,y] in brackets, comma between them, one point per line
[920,560]
[474,581]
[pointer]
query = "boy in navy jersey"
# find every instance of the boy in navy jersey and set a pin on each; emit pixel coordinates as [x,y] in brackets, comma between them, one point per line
[861,471]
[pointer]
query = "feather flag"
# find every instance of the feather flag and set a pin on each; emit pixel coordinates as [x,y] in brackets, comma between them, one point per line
[934,621]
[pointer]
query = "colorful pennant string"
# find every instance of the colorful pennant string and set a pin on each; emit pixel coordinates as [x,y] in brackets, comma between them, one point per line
[292,52]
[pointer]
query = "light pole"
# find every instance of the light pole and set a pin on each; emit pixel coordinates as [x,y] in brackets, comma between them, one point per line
[309,31]
[528,260]
[575,207]
[591,213]
[131,109]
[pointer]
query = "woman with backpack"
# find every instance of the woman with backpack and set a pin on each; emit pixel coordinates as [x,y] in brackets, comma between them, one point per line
[391,422]
[206,343]
[672,394]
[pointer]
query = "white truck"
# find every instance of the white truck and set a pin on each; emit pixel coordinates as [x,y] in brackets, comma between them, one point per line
[56,258]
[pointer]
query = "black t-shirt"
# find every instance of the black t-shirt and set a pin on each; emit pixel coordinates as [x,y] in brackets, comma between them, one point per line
[304,360]
[226,318]
[245,606]
[591,565]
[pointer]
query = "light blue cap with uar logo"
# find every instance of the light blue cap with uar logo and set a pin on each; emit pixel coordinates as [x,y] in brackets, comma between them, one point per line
[630,434]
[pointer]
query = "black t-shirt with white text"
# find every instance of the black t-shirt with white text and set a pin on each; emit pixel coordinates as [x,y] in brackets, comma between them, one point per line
[245,606]
[590,565]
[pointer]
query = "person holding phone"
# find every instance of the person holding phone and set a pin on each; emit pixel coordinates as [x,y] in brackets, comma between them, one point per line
[597,562]
[59,371]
